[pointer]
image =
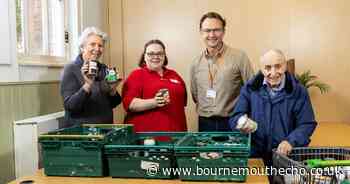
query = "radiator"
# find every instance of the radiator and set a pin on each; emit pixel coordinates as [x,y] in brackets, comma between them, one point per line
[27,150]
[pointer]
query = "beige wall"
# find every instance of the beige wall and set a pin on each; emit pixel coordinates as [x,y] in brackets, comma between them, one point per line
[320,41]
[313,32]
[116,56]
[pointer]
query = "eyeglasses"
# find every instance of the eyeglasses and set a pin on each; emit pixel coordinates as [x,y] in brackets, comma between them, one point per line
[216,30]
[155,54]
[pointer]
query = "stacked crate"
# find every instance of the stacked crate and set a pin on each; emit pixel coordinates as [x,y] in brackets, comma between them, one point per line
[219,156]
[137,159]
[79,151]
[115,150]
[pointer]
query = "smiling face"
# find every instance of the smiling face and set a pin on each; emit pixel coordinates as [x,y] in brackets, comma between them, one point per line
[273,66]
[154,57]
[93,48]
[212,33]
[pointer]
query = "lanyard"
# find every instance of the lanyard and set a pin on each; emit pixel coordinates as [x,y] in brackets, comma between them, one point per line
[212,74]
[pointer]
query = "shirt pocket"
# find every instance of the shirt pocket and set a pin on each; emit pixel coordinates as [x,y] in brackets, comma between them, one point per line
[231,74]
[202,75]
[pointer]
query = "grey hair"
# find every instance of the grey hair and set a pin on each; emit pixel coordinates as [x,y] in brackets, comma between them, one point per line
[88,32]
[277,52]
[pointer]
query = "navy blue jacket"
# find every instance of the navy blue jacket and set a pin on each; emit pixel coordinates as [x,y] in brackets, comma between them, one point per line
[82,107]
[288,116]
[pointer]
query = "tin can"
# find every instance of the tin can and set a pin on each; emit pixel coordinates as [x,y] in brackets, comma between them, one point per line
[92,69]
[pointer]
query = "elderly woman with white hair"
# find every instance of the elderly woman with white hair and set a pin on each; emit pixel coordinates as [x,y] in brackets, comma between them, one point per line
[87,97]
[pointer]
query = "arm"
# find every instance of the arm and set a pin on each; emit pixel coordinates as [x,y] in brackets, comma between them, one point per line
[109,89]
[305,123]
[132,95]
[183,84]
[185,97]
[113,95]
[242,107]
[74,94]
[193,87]
[115,99]
[138,105]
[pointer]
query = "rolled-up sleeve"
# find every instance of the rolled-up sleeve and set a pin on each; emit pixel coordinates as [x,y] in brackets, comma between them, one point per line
[193,86]
[132,88]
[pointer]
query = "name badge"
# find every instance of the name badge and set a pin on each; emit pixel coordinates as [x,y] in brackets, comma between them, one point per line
[211,93]
[174,81]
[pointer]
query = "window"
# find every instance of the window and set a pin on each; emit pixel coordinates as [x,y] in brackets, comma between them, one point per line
[42,35]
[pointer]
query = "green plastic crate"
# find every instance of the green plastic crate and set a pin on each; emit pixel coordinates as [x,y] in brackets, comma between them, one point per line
[78,151]
[132,160]
[213,156]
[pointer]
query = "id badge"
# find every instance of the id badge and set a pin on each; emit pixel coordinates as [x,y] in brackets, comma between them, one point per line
[211,93]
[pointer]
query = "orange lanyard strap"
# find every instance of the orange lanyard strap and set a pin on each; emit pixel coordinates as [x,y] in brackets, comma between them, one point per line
[211,76]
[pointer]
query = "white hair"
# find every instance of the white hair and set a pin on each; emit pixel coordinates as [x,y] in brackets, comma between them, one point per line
[88,32]
[276,52]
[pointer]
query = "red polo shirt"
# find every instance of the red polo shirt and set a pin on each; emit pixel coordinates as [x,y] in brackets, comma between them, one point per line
[144,83]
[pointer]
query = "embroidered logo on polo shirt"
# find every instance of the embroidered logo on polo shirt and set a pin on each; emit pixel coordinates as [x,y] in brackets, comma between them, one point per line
[174,81]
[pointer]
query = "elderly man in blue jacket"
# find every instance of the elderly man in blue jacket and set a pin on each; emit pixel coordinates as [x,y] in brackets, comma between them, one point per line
[275,108]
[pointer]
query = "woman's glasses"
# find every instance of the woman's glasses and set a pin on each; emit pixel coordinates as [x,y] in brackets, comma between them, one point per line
[155,54]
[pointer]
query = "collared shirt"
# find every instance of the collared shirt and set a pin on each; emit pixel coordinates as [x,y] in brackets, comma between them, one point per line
[228,69]
[276,90]
[217,54]
[144,83]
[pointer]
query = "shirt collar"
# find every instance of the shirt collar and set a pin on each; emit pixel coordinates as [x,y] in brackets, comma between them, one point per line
[279,87]
[79,60]
[165,70]
[217,55]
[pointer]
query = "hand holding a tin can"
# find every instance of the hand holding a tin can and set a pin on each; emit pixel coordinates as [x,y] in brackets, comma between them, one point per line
[89,69]
[246,125]
[89,72]
[162,97]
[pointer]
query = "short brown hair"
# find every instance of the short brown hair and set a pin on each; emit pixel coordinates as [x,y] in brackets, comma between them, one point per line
[142,61]
[212,15]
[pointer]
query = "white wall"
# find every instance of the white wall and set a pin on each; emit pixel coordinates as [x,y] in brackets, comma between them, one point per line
[10,70]
[39,73]
[8,64]
[92,13]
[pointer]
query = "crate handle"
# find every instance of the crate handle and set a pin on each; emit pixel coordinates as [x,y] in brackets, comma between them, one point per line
[90,145]
[72,136]
[106,125]
[51,145]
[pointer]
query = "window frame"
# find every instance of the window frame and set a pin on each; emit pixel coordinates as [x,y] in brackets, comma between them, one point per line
[25,59]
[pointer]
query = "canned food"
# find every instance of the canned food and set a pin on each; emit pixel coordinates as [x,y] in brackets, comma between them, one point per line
[92,68]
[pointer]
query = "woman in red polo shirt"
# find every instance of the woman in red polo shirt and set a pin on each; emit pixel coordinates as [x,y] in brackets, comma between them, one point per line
[153,95]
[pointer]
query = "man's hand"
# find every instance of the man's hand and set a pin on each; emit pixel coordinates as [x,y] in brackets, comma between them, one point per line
[246,125]
[284,148]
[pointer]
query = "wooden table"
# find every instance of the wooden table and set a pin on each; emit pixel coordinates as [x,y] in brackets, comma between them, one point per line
[40,178]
